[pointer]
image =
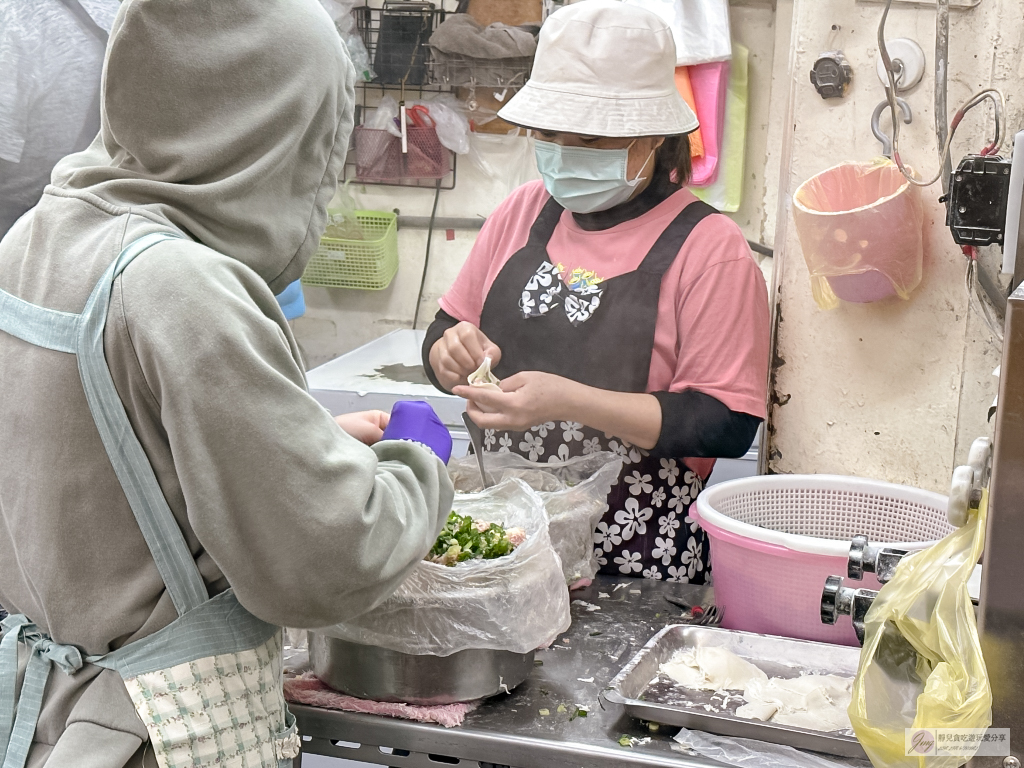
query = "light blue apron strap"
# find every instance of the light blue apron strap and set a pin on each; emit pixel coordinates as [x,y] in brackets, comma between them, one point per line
[219,626]
[46,328]
[17,731]
[8,680]
[163,535]
[204,627]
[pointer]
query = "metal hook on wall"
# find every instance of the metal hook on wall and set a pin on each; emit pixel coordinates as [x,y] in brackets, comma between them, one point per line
[876,115]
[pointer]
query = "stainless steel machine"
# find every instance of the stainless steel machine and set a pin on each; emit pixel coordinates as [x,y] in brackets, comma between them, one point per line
[1001,612]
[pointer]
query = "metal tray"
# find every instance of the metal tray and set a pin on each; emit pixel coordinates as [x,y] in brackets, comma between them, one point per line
[379,674]
[662,701]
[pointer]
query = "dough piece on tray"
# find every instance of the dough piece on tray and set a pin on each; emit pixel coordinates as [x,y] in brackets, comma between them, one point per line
[820,715]
[757,710]
[712,669]
[482,376]
[726,671]
[684,670]
[814,702]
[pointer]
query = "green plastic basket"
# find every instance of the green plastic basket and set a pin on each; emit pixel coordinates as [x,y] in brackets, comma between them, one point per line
[369,264]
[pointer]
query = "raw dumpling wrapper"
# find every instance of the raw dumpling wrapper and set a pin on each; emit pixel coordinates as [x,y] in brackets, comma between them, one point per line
[757,710]
[482,376]
[814,702]
[712,669]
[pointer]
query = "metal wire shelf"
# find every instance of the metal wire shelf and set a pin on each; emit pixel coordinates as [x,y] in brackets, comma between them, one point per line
[395,35]
[452,69]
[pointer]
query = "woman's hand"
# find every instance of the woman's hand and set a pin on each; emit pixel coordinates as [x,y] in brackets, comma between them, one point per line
[531,398]
[459,352]
[526,399]
[365,426]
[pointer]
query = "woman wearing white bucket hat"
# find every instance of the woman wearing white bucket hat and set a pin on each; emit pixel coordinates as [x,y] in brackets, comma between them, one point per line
[621,313]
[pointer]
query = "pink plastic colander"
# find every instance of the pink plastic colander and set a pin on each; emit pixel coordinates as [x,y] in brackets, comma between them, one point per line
[776,538]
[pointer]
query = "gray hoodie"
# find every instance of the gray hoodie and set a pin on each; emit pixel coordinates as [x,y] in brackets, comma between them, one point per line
[228,121]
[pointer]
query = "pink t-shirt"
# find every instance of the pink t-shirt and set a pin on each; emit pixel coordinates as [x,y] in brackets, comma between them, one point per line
[712,331]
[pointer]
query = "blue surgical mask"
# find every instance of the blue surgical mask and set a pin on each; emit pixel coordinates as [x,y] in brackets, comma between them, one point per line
[585,179]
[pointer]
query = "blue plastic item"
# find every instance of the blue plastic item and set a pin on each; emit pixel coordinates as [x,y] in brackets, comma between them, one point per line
[415,420]
[292,301]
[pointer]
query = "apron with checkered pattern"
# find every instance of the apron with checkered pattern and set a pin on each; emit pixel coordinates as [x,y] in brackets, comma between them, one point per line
[209,685]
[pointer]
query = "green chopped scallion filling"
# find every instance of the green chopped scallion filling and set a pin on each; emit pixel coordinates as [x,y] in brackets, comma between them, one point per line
[464,538]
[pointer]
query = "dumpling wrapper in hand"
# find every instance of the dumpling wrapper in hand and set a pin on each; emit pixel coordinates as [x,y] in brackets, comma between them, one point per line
[482,376]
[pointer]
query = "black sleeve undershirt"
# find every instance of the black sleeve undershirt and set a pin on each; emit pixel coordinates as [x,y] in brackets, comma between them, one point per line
[442,322]
[692,423]
[701,426]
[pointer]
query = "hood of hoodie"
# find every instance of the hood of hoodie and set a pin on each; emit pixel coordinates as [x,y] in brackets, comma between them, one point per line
[228,118]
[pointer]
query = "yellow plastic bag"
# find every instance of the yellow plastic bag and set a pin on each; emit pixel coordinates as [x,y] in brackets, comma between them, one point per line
[921,666]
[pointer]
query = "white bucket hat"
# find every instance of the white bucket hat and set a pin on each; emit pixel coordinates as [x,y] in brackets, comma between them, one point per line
[603,68]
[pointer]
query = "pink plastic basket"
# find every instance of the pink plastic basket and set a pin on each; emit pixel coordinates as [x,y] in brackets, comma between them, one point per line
[379,155]
[776,538]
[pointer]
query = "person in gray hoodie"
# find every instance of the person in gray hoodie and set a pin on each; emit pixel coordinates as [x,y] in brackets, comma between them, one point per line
[227,122]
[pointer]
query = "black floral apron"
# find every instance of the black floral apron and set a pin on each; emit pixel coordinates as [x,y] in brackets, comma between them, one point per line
[600,333]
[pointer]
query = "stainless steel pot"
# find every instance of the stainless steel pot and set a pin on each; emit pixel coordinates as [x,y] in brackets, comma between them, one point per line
[379,674]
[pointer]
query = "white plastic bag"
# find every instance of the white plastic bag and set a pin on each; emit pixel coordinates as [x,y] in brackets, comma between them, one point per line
[451,125]
[295,653]
[384,116]
[700,28]
[507,158]
[340,12]
[359,55]
[575,495]
[514,603]
[749,753]
[342,218]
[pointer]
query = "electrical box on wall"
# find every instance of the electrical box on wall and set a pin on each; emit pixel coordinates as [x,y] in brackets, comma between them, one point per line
[977,200]
[985,204]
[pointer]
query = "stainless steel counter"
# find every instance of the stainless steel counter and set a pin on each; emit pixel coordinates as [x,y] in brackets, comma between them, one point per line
[509,730]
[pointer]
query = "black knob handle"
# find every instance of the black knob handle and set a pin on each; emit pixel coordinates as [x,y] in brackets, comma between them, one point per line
[858,549]
[830,600]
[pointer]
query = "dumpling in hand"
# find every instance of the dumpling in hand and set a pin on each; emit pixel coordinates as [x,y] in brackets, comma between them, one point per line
[482,376]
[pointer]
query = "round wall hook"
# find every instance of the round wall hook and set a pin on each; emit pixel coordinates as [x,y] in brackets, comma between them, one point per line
[910,67]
